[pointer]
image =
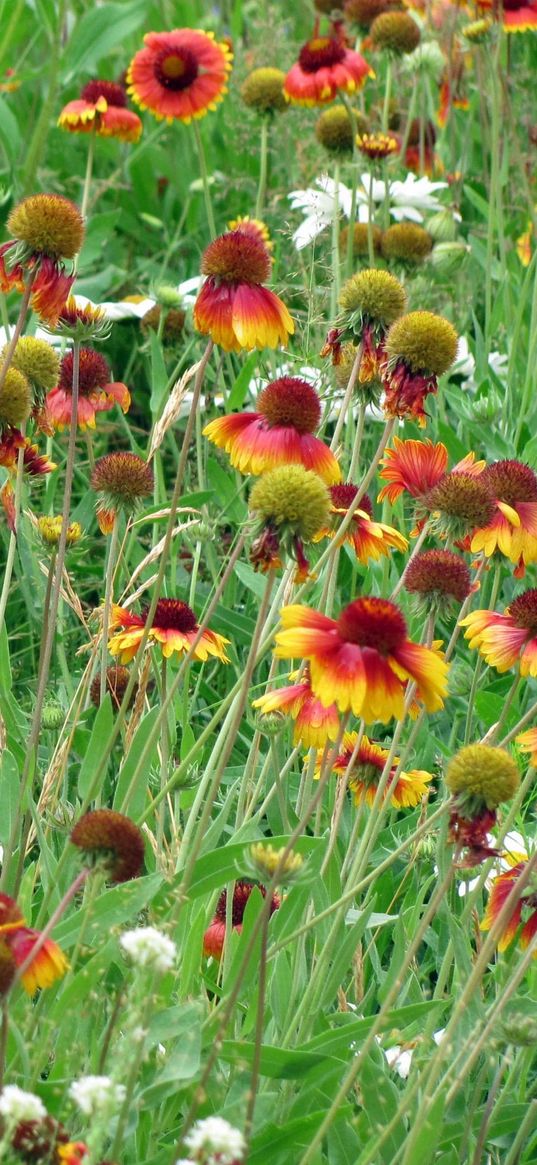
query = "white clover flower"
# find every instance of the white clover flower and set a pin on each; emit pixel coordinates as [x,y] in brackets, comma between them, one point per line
[148,947]
[17,1105]
[216,1136]
[96,1094]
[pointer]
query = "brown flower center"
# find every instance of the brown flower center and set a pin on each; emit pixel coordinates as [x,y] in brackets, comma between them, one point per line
[342,497]
[460,495]
[511,482]
[523,610]
[172,615]
[438,571]
[290,401]
[94,372]
[177,69]
[374,623]
[237,257]
[320,53]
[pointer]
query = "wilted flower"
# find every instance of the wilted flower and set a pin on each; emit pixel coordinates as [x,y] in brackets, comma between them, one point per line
[15,400]
[290,505]
[439,579]
[121,480]
[262,90]
[406,242]
[395,32]
[419,348]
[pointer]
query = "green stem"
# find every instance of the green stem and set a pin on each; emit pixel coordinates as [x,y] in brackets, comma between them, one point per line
[334,290]
[263,169]
[110,569]
[387,95]
[205,180]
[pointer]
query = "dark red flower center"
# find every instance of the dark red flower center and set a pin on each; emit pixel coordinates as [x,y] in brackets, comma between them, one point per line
[237,257]
[342,497]
[176,69]
[291,401]
[438,571]
[241,894]
[320,53]
[172,615]
[461,495]
[374,623]
[112,93]
[94,372]
[523,610]
[511,482]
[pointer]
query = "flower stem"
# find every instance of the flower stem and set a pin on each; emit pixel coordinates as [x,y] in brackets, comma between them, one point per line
[205,180]
[263,169]
[387,95]
[334,291]
[21,320]
[342,416]
[110,569]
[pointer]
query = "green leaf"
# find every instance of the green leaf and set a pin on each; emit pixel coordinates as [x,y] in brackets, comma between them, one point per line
[115,906]
[137,796]
[101,730]
[277,1063]
[99,31]
[237,395]
[182,1062]
[9,793]
[159,374]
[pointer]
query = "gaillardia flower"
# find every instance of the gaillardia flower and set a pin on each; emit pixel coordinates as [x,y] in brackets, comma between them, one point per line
[524,912]
[419,348]
[360,238]
[366,771]
[117,679]
[49,530]
[334,130]
[290,506]
[280,432]
[262,90]
[513,529]
[314,724]
[479,778]
[233,307]
[370,302]
[214,937]
[515,15]
[97,393]
[362,660]
[439,579]
[377,146]
[527,742]
[174,627]
[49,962]
[34,462]
[406,242]
[15,400]
[101,109]
[325,67]
[395,32]
[508,639]
[121,480]
[370,539]
[179,75]
[112,838]
[46,229]
[83,322]
[38,362]
[417,466]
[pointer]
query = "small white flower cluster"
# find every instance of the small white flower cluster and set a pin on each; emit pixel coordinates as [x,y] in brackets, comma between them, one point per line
[214,1140]
[148,947]
[17,1105]
[96,1094]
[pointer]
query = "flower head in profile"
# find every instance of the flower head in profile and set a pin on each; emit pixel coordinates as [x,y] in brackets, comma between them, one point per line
[370,539]
[43,962]
[405,790]
[396,33]
[112,839]
[419,348]
[82,320]
[325,67]
[213,939]
[314,724]
[39,363]
[233,307]
[378,146]
[180,75]
[290,506]
[439,580]
[121,480]
[370,302]
[524,913]
[280,431]
[509,639]
[15,400]
[46,230]
[513,528]
[97,393]
[262,91]
[334,130]
[174,628]
[407,243]
[101,109]
[415,467]
[49,529]
[362,660]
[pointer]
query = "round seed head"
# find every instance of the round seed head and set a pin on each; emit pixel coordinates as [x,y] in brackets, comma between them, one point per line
[424,341]
[488,774]
[293,497]
[263,90]
[49,224]
[15,399]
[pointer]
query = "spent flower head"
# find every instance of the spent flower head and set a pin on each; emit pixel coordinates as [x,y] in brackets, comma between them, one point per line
[15,400]
[395,32]
[103,834]
[480,774]
[37,361]
[48,225]
[262,90]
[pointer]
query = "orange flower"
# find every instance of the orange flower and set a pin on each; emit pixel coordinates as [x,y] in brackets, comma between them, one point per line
[233,307]
[370,539]
[314,724]
[362,660]
[325,67]
[174,627]
[377,146]
[527,742]
[417,466]
[513,529]
[101,108]
[49,962]
[508,639]
[96,392]
[367,768]
[180,75]
[213,939]
[501,889]
[280,432]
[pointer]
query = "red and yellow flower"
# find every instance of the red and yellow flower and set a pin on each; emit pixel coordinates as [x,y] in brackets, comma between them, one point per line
[180,75]
[101,109]
[508,639]
[513,529]
[315,724]
[97,393]
[362,660]
[367,768]
[524,911]
[49,962]
[46,229]
[214,937]
[280,432]
[370,539]
[34,463]
[515,15]
[527,742]
[417,466]
[325,67]
[233,307]
[174,627]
